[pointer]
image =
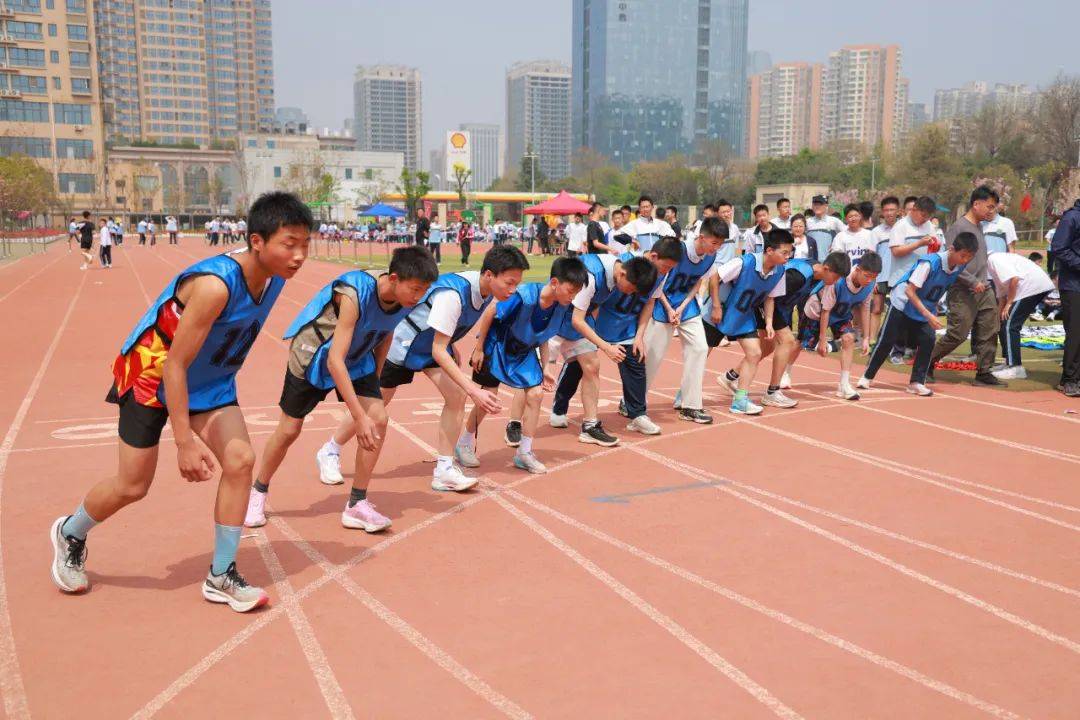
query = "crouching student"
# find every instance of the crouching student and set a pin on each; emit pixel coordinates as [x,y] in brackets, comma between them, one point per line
[512,349]
[1021,287]
[912,306]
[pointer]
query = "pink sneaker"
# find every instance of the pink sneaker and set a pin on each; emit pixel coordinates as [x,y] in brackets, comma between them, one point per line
[364,516]
[256,512]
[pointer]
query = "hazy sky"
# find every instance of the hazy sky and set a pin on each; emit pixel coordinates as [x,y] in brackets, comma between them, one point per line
[464,47]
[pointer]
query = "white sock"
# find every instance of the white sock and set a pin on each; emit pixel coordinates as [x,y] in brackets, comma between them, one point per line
[788,367]
[845,377]
[443,463]
[525,447]
[332,447]
[467,439]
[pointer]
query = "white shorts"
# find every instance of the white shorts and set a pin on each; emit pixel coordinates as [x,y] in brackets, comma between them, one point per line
[570,349]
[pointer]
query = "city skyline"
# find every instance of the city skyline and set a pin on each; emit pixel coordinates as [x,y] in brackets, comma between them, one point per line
[464,82]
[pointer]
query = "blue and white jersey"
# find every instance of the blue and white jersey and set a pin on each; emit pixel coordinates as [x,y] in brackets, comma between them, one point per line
[999,234]
[211,377]
[681,280]
[823,230]
[882,234]
[790,300]
[905,232]
[601,282]
[935,277]
[413,338]
[617,317]
[743,288]
[647,231]
[846,300]
[520,326]
[373,325]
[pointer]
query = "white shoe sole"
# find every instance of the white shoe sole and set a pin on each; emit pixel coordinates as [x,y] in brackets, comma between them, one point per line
[258,523]
[558,424]
[919,394]
[590,440]
[216,596]
[634,428]
[354,524]
[327,480]
[745,412]
[58,553]
[462,463]
[766,402]
[845,396]
[534,471]
[441,486]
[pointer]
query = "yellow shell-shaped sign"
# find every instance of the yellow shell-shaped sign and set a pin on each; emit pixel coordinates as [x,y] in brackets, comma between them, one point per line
[458,140]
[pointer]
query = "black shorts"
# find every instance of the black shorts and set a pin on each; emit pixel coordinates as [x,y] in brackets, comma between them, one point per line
[86,244]
[394,375]
[713,336]
[883,288]
[140,425]
[781,317]
[299,397]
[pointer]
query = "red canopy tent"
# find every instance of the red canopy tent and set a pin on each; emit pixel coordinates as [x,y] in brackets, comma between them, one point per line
[561,204]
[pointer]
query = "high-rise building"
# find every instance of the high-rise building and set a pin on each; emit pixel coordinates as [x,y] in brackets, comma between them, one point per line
[437,169]
[651,79]
[757,62]
[290,120]
[971,98]
[864,96]
[186,71]
[486,153]
[49,107]
[538,116]
[784,110]
[387,110]
[918,115]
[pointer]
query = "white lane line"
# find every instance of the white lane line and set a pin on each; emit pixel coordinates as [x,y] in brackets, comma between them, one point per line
[11,684]
[998,612]
[740,678]
[751,604]
[42,269]
[418,640]
[336,702]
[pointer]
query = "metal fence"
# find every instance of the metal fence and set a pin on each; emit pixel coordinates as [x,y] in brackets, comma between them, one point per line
[16,247]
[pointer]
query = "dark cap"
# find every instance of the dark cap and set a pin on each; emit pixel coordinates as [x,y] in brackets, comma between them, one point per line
[819,200]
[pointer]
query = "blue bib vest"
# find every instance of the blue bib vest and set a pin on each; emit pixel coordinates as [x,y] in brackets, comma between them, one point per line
[680,281]
[847,301]
[937,282]
[598,273]
[519,328]
[747,292]
[373,325]
[413,337]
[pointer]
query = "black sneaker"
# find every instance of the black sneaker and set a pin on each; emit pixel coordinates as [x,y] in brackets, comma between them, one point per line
[988,380]
[513,433]
[595,435]
[1071,389]
[622,409]
[697,416]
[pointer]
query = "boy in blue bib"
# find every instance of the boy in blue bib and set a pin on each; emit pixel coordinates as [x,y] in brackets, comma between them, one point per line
[833,308]
[339,342]
[179,365]
[912,309]
[512,349]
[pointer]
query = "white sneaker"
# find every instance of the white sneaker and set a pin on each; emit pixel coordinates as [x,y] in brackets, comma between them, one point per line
[643,425]
[863,384]
[999,366]
[528,462]
[558,421]
[778,399]
[1037,317]
[846,392]
[83,266]
[728,384]
[452,480]
[466,456]
[785,381]
[1015,372]
[256,509]
[329,466]
[920,390]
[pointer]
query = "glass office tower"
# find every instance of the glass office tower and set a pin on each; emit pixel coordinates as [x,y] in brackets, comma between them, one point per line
[653,78]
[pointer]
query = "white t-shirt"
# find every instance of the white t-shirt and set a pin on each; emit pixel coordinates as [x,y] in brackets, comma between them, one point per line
[446,306]
[823,230]
[754,240]
[882,234]
[170,224]
[1000,234]
[802,249]
[904,232]
[647,231]
[1050,237]
[576,234]
[729,272]
[151,227]
[141,227]
[826,299]
[105,236]
[72,227]
[781,222]
[1004,266]
[855,244]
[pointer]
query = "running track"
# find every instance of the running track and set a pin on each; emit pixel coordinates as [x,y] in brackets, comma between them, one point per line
[899,557]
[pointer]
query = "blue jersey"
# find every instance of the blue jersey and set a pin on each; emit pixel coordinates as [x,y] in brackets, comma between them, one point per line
[599,274]
[617,318]
[211,377]
[413,338]
[373,325]
[746,293]
[937,282]
[680,282]
[847,300]
[520,326]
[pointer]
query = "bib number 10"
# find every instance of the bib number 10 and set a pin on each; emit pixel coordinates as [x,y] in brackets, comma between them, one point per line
[234,348]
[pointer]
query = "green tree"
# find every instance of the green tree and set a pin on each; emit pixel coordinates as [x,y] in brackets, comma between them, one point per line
[669,182]
[462,175]
[931,167]
[24,186]
[413,186]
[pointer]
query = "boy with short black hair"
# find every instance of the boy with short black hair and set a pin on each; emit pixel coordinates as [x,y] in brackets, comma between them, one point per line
[881,234]
[736,292]
[179,365]
[646,229]
[754,238]
[783,214]
[821,226]
[339,342]
[512,349]
[912,305]
[424,342]
[802,278]
[854,239]
[833,308]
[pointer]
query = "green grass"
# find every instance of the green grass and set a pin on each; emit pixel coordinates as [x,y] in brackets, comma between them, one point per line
[539,265]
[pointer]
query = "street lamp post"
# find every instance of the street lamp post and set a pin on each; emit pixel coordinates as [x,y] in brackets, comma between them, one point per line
[873,174]
[532,171]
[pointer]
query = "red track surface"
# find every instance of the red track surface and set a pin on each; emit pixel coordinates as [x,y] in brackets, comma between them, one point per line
[899,557]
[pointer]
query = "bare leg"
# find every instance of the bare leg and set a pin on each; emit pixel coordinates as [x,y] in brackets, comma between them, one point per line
[785,345]
[225,433]
[751,348]
[135,473]
[366,460]
[590,384]
[453,412]
[847,352]
[284,435]
[529,401]
[346,429]
[517,407]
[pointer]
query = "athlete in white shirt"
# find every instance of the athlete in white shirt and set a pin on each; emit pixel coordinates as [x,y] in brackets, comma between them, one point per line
[822,226]
[645,229]
[882,233]
[855,240]
[576,232]
[1020,285]
[783,214]
[999,232]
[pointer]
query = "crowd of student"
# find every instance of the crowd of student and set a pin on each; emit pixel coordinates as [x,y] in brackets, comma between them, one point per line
[630,291]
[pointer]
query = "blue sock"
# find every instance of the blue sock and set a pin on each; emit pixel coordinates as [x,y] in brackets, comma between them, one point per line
[226,542]
[78,524]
